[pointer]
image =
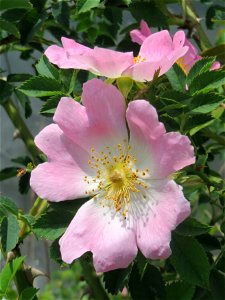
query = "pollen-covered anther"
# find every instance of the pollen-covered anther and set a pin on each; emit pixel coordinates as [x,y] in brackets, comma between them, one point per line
[138,59]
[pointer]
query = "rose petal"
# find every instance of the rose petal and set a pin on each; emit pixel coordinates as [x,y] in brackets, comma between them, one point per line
[58,147]
[94,229]
[56,181]
[162,153]
[157,46]
[100,122]
[110,63]
[166,208]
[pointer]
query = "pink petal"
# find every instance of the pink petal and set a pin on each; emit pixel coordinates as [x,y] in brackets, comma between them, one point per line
[179,40]
[62,178]
[95,229]
[145,30]
[145,71]
[100,122]
[138,36]
[71,55]
[52,141]
[167,207]
[56,181]
[165,153]
[156,46]
[110,63]
[57,55]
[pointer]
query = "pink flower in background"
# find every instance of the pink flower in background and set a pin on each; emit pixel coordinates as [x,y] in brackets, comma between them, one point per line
[185,62]
[158,51]
[134,202]
[138,36]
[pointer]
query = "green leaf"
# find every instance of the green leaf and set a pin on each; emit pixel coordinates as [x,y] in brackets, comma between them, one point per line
[61,13]
[139,289]
[18,77]
[148,286]
[48,108]
[6,90]
[24,183]
[55,253]
[30,24]
[125,85]
[68,78]
[45,68]
[8,272]
[192,227]
[209,242]
[53,223]
[180,290]
[40,86]
[199,67]
[28,293]
[8,204]
[197,122]
[206,103]
[6,4]
[116,280]
[177,78]
[8,173]
[217,284]
[86,5]
[9,27]
[218,51]
[207,81]
[190,260]
[149,12]
[25,103]
[215,13]
[9,232]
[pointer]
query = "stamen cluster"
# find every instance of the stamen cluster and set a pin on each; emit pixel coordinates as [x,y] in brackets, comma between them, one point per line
[116,177]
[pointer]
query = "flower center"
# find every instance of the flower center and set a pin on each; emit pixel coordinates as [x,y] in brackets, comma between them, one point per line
[116,177]
[138,59]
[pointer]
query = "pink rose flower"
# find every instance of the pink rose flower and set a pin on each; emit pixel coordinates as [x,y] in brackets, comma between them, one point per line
[134,202]
[158,51]
[185,62]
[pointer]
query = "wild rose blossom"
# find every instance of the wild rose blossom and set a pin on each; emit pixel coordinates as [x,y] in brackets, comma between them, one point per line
[185,62]
[158,52]
[134,202]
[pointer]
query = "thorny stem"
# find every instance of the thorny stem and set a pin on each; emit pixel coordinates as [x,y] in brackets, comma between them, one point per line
[40,206]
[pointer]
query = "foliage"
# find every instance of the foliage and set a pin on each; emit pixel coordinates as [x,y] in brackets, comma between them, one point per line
[192,104]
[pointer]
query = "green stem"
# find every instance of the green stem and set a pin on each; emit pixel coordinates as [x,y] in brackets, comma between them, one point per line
[38,208]
[93,280]
[19,123]
[192,16]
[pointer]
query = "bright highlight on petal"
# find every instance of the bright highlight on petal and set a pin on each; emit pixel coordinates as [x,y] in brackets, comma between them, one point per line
[135,205]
